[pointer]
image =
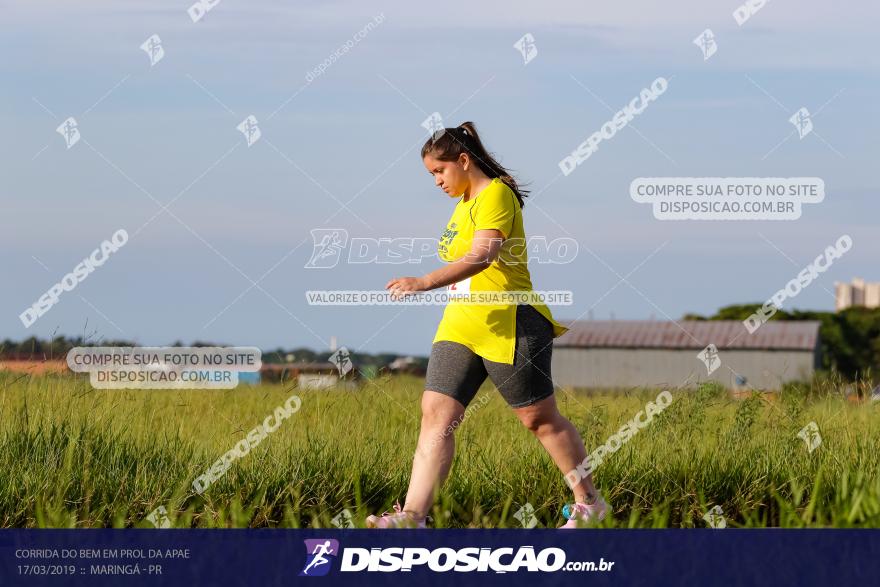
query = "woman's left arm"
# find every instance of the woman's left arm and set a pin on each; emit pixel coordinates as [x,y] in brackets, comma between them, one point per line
[485,248]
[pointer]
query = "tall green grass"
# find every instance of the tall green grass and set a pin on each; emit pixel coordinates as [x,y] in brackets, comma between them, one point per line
[72,456]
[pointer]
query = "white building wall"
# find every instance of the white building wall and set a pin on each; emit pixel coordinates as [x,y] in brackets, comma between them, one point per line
[843,296]
[857,293]
[604,367]
[872,295]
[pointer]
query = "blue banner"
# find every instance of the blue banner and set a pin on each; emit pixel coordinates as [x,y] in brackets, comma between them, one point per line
[436,557]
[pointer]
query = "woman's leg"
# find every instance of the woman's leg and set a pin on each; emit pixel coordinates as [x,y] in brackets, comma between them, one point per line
[441,415]
[529,378]
[561,440]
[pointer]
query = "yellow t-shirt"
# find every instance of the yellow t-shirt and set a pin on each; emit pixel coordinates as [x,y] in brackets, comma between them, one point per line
[488,330]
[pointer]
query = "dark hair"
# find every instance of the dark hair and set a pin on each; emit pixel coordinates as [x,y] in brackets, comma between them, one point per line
[447,144]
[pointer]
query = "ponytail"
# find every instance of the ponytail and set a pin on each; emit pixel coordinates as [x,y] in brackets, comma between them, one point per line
[449,143]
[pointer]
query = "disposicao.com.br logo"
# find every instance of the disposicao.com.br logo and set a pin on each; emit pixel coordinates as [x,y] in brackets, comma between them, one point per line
[318,553]
[442,560]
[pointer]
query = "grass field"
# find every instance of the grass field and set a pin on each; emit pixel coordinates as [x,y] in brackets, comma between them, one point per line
[72,456]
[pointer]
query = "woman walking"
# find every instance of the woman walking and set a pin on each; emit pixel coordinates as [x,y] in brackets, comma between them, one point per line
[484,245]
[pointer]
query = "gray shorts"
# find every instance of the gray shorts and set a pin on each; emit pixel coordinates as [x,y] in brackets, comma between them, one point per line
[458,372]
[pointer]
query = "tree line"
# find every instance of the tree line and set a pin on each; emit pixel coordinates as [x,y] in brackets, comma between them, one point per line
[35,349]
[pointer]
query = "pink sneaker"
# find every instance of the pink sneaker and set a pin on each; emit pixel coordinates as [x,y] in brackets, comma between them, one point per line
[582,514]
[399,519]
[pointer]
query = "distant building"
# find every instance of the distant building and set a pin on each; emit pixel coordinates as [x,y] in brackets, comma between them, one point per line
[628,354]
[316,375]
[408,365]
[857,293]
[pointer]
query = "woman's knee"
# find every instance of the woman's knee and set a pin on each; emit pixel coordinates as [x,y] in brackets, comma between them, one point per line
[540,417]
[440,410]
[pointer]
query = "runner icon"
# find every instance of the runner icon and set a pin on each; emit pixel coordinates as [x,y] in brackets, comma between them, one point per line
[319,552]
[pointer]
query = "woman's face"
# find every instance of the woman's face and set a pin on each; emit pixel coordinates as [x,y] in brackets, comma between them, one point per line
[449,176]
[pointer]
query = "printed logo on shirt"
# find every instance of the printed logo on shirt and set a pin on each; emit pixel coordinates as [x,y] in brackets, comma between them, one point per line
[446,238]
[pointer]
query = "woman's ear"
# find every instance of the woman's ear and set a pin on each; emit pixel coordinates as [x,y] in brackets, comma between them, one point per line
[464,160]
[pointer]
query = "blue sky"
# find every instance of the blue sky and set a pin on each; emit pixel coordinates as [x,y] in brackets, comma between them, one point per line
[156,133]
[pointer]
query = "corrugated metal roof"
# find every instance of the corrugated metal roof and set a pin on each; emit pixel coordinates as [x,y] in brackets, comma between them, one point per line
[690,334]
